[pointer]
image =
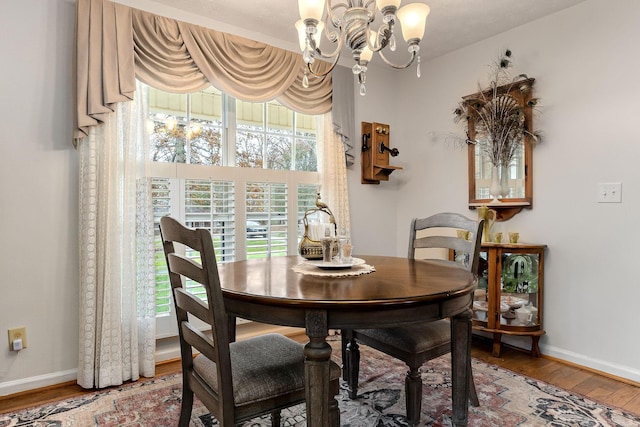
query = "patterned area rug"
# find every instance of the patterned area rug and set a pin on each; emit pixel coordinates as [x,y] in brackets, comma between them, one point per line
[506,399]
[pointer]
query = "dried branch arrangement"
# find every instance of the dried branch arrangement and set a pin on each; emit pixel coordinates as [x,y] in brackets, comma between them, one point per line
[498,113]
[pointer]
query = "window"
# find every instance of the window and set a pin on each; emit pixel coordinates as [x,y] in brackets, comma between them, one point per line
[245,171]
[160,194]
[190,128]
[267,219]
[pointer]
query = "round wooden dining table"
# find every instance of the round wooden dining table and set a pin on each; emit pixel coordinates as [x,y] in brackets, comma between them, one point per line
[399,291]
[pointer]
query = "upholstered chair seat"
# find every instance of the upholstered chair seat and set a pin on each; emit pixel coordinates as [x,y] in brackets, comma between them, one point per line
[408,341]
[267,365]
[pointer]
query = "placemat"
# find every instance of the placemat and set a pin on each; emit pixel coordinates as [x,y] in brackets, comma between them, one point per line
[312,270]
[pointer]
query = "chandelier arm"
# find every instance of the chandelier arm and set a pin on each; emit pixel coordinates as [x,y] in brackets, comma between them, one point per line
[383,42]
[333,65]
[335,21]
[332,35]
[398,67]
[368,3]
[330,57]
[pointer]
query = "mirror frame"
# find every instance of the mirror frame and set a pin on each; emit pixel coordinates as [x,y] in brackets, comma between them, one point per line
[506,208]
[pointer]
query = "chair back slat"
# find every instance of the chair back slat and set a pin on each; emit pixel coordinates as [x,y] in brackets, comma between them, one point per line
[192,304]
[186,267]
[199,341]
[441,226]
[448,242]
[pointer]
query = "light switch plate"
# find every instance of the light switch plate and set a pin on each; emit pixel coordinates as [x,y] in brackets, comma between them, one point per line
[609,192]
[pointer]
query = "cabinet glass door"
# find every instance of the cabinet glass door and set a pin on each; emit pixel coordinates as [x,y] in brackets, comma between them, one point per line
[481,297]
[519,289]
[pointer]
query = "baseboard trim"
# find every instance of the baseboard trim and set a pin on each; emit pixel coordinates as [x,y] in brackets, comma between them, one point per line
[39,381]
[620,373]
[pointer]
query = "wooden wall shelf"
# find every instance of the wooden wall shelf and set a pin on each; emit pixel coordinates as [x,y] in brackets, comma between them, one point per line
[384,170]
[504,210]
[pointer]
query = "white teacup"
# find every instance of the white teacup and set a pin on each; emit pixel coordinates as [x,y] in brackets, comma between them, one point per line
[523,315]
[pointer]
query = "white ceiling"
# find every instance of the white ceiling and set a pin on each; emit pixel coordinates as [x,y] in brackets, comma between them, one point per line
[451,25]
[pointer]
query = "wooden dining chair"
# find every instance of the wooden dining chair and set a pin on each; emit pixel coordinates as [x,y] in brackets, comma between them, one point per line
[416,343]
[236,381]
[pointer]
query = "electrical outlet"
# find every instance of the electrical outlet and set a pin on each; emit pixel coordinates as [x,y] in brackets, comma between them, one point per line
[609,192]
[18,334]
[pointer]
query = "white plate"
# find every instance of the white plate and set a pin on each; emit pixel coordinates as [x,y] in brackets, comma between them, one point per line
[484,306]
[335,265]
[513,302]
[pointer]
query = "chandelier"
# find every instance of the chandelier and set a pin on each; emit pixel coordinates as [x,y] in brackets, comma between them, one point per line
[349,24]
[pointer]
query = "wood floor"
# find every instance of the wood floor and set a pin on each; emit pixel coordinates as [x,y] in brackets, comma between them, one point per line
[600,388]
[597,387]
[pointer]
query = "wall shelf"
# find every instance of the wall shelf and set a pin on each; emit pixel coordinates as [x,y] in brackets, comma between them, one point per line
[384,170]
[504,210]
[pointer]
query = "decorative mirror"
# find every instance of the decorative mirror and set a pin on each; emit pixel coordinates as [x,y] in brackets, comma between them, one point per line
[499,126]
[516,178]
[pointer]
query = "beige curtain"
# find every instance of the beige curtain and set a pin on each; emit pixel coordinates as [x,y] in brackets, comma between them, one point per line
[178,57]
[343,109]
[104,65]
[117,278]
[333,176]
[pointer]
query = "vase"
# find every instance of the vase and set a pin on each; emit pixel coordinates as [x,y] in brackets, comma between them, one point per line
[504,181]
[495,189]
[489,216]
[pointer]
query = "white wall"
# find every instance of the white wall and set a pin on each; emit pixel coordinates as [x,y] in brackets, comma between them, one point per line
[373,206]
[38,192]
[583,60]
[585,64]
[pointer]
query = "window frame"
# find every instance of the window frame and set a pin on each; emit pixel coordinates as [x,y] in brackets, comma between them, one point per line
[179,173]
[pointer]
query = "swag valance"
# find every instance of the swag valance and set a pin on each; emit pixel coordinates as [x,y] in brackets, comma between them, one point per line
[116,43]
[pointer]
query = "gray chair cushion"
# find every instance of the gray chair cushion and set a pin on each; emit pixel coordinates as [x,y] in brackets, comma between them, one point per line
[267,365]
[413,338]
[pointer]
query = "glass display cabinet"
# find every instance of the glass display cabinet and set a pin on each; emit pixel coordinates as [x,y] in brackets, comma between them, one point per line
[508,300]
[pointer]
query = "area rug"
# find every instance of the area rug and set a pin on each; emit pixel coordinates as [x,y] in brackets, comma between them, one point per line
[506,399]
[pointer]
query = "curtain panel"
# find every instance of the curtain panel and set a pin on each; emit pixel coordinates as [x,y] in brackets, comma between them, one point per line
[115,44]
[117,276]
[343,109]
[334,186]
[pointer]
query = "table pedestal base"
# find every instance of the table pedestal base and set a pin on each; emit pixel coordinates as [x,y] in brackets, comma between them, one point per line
[325,411]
